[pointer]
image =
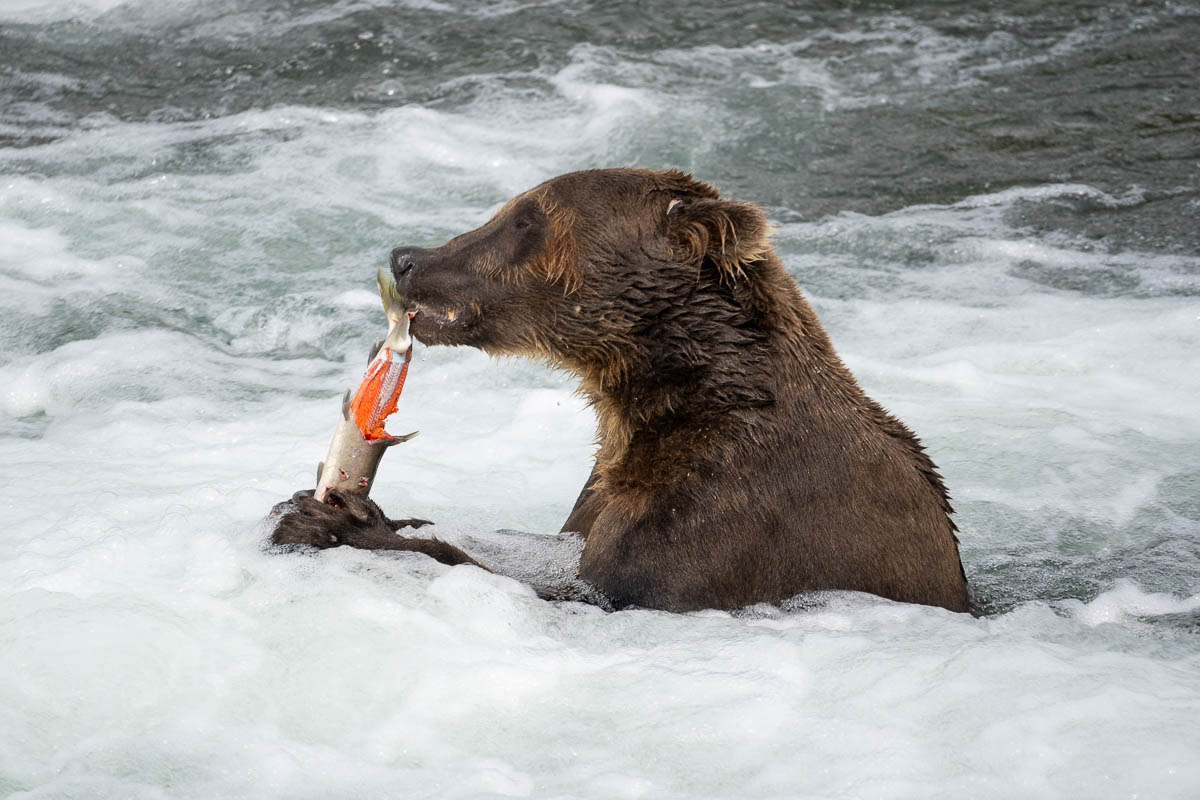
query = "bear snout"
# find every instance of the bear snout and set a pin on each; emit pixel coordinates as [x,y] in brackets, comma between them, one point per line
[404,260]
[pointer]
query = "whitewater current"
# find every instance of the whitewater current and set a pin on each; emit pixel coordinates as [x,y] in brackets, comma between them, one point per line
[993,207]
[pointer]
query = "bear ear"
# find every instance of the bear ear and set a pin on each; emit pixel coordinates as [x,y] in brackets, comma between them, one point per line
[681,184]
[731,235]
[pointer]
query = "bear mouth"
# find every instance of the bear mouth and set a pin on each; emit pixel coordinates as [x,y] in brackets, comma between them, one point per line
[438,325]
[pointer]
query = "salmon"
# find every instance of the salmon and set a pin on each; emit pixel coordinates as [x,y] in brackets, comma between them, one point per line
[360,439]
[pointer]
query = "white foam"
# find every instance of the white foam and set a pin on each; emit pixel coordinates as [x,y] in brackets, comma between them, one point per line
[1127,601]
[37,11]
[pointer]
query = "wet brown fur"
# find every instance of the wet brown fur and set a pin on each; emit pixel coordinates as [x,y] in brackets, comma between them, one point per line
[738,459]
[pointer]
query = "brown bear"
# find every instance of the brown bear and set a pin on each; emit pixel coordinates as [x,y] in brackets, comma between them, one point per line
[739,461]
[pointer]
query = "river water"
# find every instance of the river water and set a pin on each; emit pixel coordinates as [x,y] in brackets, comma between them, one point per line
[993,207]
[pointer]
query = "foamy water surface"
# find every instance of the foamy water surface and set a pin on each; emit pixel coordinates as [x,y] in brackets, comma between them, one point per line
[997,227]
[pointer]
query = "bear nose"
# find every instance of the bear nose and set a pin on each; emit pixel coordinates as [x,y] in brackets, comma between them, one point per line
[403,261]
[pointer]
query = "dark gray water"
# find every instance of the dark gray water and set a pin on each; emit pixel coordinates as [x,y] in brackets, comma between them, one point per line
[872,106]
[993,206]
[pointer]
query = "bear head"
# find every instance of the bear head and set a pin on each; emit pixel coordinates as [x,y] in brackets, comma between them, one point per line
[609,273]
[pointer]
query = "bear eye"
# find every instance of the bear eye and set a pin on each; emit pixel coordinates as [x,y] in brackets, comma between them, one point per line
[526,216]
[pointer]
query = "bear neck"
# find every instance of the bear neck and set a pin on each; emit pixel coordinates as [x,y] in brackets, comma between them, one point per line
[665,386]
[661,395]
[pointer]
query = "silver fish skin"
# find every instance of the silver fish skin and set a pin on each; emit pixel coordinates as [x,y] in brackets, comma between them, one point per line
[353,460]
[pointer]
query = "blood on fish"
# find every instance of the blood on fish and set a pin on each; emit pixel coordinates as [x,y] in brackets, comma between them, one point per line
[377,394]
